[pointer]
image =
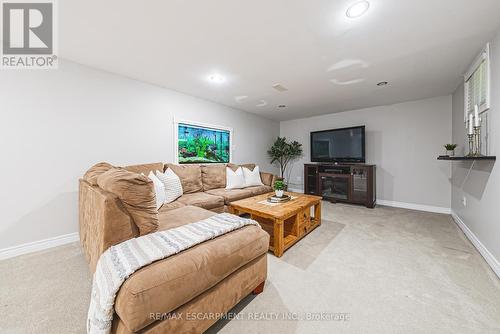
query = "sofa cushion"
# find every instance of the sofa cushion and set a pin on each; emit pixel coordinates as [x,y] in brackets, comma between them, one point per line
[145,168]
[258,190]
[252,177]
[181,216]
[235,179]
[159,190]
[163,286]
[213,176]
[137,193]
[172,184]
[231,195]
[235,167]
[267,178]
[93,173]
[190,176]
[170,206]
[203,200]
[213,301]
[103,222]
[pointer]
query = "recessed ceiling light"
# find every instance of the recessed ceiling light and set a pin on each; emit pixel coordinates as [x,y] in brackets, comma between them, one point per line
[280,88]
[240,98]
[382,83]
[282,106]
[216,78]
[357,9]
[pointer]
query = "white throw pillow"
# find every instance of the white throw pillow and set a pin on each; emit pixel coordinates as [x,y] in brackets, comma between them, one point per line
[252,177]
[234,179]
[159,190]
[172,183]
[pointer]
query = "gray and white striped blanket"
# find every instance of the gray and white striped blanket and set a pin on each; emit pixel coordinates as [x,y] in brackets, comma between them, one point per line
[118,262]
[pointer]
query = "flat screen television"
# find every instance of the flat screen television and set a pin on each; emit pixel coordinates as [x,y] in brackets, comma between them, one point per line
[338,145]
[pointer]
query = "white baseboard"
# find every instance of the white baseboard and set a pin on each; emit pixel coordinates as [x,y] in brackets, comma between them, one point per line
[412,206]
[488,257]
[35,246]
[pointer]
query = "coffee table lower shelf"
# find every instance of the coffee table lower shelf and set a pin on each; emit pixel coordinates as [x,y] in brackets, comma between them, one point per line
[289,240]
[287,223]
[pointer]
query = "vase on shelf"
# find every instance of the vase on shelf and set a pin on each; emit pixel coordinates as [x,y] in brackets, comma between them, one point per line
[450,149]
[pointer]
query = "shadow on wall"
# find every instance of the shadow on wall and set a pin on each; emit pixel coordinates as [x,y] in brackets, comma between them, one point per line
[385,184]
[57,217]
[385,180]
[293,182]
[472,177]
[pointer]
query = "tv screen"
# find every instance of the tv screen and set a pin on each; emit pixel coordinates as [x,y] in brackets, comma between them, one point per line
[338,145]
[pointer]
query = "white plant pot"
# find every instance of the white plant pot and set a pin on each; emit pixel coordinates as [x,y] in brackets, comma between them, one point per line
[279,193]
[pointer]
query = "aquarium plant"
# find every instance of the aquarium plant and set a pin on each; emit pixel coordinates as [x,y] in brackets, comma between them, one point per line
[203,145]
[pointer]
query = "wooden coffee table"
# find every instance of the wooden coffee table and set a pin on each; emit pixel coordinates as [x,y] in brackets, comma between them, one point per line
[287,222]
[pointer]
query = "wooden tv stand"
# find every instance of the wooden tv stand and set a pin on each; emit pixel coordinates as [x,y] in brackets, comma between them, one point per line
[347,183]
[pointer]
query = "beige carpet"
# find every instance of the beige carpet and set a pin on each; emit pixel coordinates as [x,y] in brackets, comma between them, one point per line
[384,270]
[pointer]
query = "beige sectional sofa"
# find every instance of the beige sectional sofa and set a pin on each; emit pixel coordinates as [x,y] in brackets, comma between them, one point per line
[204,186]
[209,278]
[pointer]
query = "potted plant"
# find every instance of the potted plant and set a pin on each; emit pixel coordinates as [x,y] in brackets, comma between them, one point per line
[279,187]
[450,149]
[283,152]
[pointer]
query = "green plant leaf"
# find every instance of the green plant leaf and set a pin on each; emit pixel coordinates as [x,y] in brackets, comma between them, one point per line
[283,152]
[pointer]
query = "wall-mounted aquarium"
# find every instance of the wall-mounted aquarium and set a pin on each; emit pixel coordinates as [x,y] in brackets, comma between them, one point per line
[200,144]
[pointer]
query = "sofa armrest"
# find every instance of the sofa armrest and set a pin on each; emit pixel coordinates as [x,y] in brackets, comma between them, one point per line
[267,178]
[103,222]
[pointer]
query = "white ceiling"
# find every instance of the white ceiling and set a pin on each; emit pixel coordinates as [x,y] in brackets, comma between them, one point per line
[329,63]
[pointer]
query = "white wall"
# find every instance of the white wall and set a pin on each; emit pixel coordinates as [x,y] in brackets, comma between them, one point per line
[403,140]
[55,124]
[480,183]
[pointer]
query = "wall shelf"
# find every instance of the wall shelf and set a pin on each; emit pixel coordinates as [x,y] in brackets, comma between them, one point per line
[457,158]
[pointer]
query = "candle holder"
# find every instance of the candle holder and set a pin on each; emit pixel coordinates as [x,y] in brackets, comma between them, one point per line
[471,145]
[477,141]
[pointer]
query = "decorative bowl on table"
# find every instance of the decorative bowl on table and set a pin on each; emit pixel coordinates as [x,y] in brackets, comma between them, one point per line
[276,199]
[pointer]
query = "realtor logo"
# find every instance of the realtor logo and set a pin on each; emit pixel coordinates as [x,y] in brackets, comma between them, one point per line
[28,35]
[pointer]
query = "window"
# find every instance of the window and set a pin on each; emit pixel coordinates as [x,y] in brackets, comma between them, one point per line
[477,84]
